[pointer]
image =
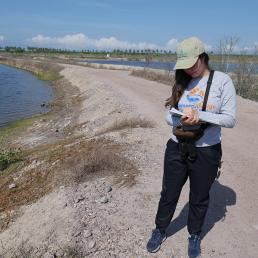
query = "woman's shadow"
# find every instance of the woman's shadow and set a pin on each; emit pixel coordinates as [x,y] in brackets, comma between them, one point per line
[220,197]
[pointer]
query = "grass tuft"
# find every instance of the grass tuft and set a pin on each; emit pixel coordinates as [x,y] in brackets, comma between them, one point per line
[9,156]
[127,122]
[165,77]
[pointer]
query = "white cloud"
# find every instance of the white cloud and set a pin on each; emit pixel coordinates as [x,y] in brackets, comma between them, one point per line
[172,44]
[251,49]
[208,47]
[75,40]
[237,49]
[113,42]
[2,38]
[81,41]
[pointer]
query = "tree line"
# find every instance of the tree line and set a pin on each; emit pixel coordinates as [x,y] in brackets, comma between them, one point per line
[14,49]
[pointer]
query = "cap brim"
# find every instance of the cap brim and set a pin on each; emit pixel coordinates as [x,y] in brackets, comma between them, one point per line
[185,63]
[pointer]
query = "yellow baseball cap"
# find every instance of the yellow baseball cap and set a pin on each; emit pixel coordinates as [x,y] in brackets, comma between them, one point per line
[187,52]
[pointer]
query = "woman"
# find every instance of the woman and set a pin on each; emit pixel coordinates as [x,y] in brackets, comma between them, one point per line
[192,72]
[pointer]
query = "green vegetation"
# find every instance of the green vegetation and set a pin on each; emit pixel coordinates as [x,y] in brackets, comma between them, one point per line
[49,76]
[130,54]
[15,127]
[9,156]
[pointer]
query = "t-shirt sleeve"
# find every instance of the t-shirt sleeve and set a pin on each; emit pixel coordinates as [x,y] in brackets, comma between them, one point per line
[172,120]
[227,114]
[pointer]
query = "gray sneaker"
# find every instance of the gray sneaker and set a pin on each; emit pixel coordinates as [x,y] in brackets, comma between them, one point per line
[156,240]
[194,246]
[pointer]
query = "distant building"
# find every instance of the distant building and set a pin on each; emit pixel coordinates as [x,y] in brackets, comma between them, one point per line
[108,55]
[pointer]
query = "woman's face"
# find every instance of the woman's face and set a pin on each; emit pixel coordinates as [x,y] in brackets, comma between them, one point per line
[197,69]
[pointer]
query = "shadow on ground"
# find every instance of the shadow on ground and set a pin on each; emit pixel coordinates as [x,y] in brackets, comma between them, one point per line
[221,196]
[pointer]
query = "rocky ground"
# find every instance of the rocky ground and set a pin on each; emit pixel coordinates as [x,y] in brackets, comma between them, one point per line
[103,217]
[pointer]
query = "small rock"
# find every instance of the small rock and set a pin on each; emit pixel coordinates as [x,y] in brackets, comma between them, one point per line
[12,186]
[55,162]
[77,233]
[87,233]
[104,199]
[3,216]
[92,214]
[108,189]
[48,255]
[79,198]
[92,244]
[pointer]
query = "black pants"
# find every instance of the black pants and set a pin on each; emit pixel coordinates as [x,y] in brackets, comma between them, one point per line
[202,173]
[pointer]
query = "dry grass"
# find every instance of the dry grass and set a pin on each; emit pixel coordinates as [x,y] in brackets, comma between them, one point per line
[166,77]
[100,66]
[66,162]
[246,85]
[128,122]
[97,158]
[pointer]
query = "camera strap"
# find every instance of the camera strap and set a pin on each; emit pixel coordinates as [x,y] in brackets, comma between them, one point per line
[207,91]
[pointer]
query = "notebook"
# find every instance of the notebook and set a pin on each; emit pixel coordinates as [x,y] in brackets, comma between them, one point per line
[176,112]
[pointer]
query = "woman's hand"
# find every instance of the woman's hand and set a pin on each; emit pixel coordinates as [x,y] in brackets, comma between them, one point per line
[190,116]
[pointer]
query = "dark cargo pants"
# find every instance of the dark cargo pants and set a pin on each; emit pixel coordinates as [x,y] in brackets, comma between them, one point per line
[202,173]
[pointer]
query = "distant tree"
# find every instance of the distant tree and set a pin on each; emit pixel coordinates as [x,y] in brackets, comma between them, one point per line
[225,50]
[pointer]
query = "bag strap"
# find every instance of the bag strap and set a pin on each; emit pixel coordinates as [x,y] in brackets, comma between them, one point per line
[207,90]
[204,126]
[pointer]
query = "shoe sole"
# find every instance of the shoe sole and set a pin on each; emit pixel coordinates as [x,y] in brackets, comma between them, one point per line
[155,250]
[198,256]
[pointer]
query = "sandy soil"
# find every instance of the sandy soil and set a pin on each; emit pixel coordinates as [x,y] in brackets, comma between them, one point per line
[122,226]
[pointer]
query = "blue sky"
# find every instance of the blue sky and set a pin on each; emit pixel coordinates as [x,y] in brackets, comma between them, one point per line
[135,24]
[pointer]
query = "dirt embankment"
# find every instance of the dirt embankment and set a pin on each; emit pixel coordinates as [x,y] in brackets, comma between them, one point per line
[105,175]
[63,153]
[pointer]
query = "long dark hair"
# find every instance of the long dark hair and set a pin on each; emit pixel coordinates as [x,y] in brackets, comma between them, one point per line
[181,81]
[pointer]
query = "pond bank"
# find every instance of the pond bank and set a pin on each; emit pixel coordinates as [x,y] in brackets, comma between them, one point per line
[63,107]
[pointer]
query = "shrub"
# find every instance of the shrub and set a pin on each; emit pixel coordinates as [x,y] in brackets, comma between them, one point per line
[8,157]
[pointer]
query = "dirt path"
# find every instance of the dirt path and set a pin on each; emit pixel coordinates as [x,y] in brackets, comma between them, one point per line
[234,197]
[122,226]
